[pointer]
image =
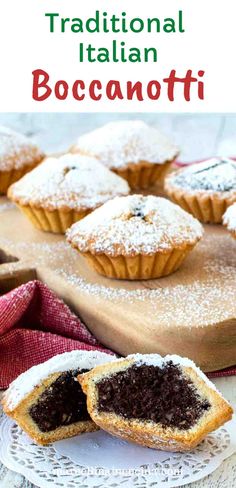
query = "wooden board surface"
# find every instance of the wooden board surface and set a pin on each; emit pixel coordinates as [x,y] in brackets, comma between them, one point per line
[191,313]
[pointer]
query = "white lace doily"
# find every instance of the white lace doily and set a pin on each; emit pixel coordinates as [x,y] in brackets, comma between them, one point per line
[74,464]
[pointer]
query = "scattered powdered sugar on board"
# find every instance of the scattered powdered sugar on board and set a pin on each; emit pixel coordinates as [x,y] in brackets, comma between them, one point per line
[135,224]
[229,217]
[215,174]
[117,144]
[182,303]
[67,361]
[200,303]
[70,180]
[6,206]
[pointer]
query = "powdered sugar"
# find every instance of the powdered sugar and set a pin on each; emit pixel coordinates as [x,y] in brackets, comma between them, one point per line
[16,150]
[119,143]
[135,224]
[6,206]
[197,296]
[216,175]
[229,218]
[74,181]
[68,361]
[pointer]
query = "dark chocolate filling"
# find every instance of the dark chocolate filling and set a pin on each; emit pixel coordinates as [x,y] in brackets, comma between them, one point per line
[138,211]
[162,395]
[62,403]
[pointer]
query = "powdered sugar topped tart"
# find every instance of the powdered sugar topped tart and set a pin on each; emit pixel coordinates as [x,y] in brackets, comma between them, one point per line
[136,237]
[205,189]
[229,219]
[215,175]
[70,186]
[47,400]
[132,149]
[18,155]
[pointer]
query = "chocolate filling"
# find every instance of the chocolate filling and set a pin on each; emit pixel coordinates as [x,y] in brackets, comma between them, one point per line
[62,403]
[162,395]
[138,211]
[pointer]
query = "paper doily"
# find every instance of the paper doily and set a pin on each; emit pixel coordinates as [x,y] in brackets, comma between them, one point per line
[51,467]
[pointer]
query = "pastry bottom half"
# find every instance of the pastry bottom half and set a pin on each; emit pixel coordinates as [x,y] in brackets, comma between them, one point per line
[57,416]
[56,221]
[144,175]
[7,178]
[140,267]
[208,208]
[176,416]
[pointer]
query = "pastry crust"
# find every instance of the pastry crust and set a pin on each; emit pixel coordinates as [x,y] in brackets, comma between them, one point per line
[56,221]
[148,433]
[18,156]
[64,190]
[26,390]
[132,149]
[208,206]
[145,175]
[229,220]
[140,267]
[21,415]
[136,237]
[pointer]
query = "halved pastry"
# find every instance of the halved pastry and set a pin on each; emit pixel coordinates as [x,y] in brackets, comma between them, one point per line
[18,155]
[204,189]
[229,219]
[136,237]
[47,400]
[163,403]
[132,149]
[63,190]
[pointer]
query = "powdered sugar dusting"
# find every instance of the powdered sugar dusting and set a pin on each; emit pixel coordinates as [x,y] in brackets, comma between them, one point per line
[16,150]
[72,180]
[67,361]
[119,143]
[216,175]
[135,224]
[229,218]
[6,206]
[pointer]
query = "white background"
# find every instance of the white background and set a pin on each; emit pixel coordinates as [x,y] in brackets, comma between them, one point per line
[208,44]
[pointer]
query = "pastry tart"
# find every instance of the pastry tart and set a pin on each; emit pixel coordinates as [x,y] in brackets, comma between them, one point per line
[163,403]
[229,219]
[47,400]
[63,190]
[136,237]
[204,189]
[132,149]
[18,155]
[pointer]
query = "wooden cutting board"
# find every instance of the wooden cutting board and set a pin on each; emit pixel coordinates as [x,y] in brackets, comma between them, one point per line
[191,313]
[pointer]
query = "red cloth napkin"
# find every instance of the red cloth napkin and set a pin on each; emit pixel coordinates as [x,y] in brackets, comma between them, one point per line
[35,326]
